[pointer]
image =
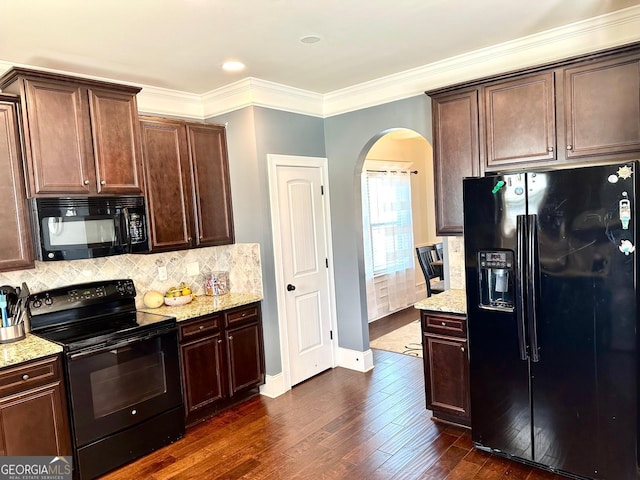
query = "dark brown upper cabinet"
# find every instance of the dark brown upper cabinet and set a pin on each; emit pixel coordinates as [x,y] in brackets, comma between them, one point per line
[187,184]
[81,136]
[456,155]
[568,113]
[16,252]
[602,107]
[519,121]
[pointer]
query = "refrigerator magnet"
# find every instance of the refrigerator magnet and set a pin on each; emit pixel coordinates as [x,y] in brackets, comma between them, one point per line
[625,172]
[626,247]
[625,213]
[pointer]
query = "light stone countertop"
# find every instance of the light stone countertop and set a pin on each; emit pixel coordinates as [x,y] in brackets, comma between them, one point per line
[204,305]
[33,347]
[30,348]
[449,301]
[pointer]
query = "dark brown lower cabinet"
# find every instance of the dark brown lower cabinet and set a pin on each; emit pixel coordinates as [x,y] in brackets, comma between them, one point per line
[33,412]
[446,367]
[222,360]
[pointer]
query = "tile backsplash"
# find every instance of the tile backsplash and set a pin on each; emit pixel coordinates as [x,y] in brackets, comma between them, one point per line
[456,262]
[241,260]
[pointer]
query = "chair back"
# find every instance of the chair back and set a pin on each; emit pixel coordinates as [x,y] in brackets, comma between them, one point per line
[427,254]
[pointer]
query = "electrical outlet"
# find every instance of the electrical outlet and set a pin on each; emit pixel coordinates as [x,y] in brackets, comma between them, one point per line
[193,269]
[162,273]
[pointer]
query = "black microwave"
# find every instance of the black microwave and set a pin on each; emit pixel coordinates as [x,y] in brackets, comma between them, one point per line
[72,228]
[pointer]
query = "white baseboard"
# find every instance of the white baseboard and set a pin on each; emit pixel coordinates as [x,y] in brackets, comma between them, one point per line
[355,360]
[273,386]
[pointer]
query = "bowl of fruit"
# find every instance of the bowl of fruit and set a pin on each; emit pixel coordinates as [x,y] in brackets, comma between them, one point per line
[180,295]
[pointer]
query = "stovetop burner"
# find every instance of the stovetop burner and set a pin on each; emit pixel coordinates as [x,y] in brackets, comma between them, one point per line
[88,333]
[86,315]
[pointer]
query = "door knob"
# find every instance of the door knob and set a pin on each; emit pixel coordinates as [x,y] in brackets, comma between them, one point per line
[291,288]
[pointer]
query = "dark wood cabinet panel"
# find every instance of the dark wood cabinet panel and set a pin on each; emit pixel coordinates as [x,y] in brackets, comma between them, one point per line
[602,107]
[212,188]
[446,367]
[187,184]
[116,146]
[33,416]
[56,140]
[245,356]
[222,360]
[456,152]
[81,136]
[16,251]
[168,184]
[202,373]
[520,121]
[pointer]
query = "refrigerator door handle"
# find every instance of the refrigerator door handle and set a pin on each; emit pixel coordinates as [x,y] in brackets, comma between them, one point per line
[532,276]
[521,268]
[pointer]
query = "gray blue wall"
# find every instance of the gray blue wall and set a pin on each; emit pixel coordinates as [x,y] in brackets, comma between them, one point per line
[254,132]
[348,137]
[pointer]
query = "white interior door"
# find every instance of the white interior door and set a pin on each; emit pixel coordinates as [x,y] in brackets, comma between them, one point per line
[300,241]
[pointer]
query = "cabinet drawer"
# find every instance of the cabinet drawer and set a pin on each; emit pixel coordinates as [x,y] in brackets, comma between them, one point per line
[242,315]
[31,375]
[200,327]
[445,324]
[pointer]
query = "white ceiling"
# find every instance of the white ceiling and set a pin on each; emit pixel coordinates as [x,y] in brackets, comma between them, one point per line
[180,44]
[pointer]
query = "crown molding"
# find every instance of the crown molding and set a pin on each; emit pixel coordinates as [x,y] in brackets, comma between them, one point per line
[256,92]
[165,102]
[597,33]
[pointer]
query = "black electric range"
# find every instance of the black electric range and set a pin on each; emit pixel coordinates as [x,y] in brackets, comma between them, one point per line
[122,371]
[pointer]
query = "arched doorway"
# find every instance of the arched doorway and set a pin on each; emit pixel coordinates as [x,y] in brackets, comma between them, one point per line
[393,153]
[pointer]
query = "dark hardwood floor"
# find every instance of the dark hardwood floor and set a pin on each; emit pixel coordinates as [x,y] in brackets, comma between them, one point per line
[340,424]
[387,324]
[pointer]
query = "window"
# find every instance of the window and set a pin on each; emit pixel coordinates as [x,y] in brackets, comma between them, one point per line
[390,226]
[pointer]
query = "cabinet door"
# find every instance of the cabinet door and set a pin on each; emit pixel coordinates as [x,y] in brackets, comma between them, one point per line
[15,248]
[212,189]
[116,145]
[447,375]
[57,138]
[602,107]
[202,374]
[245,356]
[34,423]
[520,121]
[168,188]
[456,155]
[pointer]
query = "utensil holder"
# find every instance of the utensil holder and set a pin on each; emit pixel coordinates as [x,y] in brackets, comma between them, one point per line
[12,333]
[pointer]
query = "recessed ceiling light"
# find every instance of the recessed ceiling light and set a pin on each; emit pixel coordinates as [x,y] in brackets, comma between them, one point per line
[310,39]
[233,66]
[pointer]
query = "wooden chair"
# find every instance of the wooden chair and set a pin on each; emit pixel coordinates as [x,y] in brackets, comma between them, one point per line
[426,255]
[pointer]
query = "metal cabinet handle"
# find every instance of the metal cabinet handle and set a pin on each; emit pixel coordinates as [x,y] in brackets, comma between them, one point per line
[230,337]
[25,377]
[86,182]
[462,348]
[569,147]
[444,324]
[219,341]
[549,149]
[103,182]
[201,327]
[291,288]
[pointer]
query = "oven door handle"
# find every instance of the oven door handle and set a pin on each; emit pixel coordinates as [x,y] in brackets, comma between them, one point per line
[117,345]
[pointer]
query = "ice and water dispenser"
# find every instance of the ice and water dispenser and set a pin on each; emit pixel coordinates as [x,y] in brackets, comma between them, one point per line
[497,286]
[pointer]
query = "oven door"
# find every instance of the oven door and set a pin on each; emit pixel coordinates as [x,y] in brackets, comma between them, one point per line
[117,386]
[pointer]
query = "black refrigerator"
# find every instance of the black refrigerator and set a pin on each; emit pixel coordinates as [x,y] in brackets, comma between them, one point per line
[551,282]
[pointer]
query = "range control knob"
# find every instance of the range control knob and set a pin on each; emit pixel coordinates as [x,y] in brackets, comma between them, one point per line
[37,303]
[48,300]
